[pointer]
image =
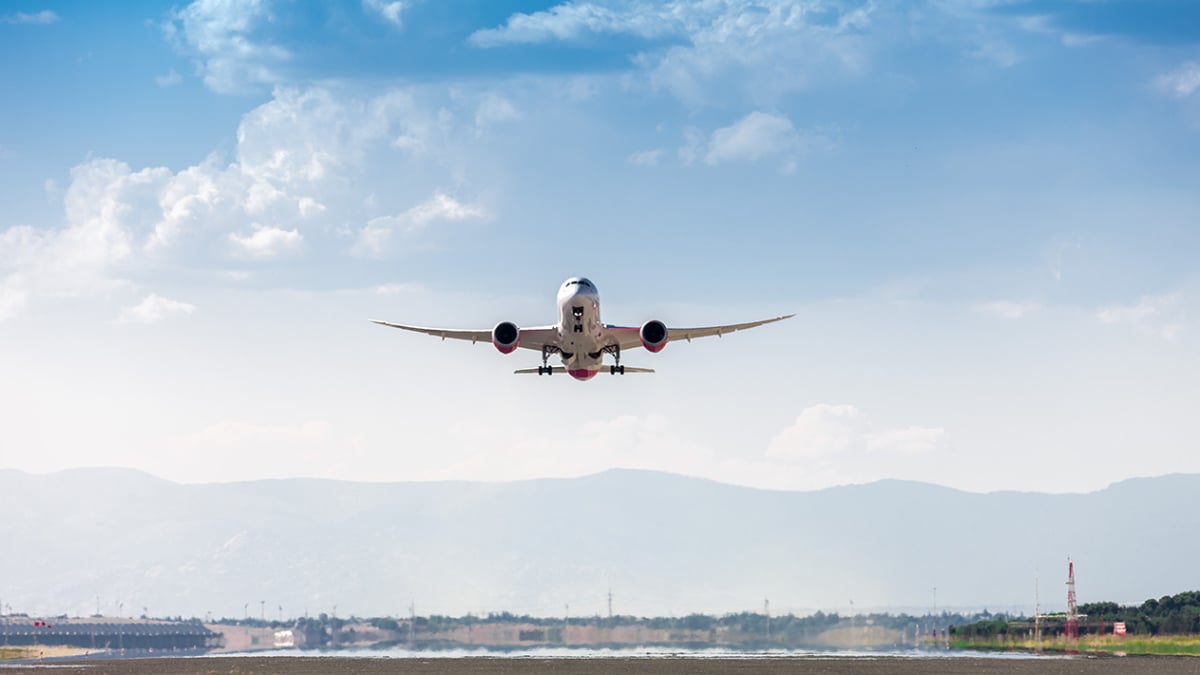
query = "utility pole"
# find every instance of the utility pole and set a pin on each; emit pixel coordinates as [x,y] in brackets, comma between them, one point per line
[767,612]
[566,620]
[610,618]
[262,606]
[412,621]
[1037,612]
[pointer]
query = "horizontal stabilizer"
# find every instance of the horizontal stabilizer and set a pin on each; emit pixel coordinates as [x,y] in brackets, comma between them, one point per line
[560,369]
[538,371]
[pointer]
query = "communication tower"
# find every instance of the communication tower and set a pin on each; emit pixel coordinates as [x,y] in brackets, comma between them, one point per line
[1072,627]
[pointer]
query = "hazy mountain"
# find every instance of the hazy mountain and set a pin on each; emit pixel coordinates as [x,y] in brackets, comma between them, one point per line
[662,543]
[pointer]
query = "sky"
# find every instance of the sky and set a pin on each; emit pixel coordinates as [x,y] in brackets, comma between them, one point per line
[984,214]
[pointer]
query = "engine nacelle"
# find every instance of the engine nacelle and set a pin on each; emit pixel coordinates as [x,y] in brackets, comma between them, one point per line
[506,337]
[654,335]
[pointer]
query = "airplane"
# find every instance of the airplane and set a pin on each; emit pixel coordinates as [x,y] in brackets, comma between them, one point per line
[579,338]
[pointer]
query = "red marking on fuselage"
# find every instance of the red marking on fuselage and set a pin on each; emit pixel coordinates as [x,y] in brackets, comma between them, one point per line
[582,373]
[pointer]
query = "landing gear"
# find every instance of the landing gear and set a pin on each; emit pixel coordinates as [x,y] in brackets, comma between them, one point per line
[615,350]
[546,368]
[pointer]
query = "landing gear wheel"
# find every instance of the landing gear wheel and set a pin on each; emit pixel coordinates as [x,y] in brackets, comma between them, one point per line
[616,370]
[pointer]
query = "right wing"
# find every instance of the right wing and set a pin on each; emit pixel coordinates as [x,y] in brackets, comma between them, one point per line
[531,338]
[627,337]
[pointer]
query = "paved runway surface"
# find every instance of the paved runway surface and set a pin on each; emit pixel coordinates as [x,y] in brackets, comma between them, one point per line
[622,666]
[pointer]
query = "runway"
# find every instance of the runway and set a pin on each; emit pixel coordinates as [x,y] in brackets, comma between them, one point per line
[824,665]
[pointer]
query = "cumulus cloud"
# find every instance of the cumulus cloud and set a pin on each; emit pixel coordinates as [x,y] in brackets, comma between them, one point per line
[265,242]
[819,431]
[372,241]
[42,18]
[767,47]
[1156,315]
[222,36]
[752,137]
[392,12]
[1181,82]
[756,136]
[574,20]
[154,308]
[295,156]
[825,433]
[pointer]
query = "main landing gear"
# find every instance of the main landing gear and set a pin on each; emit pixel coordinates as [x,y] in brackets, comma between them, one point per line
[615,350]
[546,368]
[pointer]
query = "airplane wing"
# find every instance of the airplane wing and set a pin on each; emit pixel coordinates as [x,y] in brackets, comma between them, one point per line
[531,338]
[627,337]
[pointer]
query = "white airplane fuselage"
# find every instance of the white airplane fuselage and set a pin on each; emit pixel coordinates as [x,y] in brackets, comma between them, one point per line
[581,334]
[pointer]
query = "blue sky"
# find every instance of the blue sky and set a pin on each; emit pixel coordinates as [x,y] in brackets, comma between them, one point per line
[985,214]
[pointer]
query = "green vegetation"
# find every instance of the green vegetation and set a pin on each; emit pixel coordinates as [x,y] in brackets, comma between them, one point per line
[1171,645]
[1168,625]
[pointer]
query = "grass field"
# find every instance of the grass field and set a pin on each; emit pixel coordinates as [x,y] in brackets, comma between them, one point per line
[1168,645]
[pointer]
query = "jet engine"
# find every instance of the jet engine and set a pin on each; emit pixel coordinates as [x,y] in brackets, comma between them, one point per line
[654,335]
[506,337]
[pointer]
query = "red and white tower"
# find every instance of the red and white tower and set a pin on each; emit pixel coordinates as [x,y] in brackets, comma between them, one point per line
[1072,628]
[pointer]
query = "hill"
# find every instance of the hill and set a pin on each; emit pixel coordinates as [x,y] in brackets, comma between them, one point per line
[664,544]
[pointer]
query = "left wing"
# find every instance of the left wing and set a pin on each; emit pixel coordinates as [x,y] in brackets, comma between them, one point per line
[531,338]
[628,338]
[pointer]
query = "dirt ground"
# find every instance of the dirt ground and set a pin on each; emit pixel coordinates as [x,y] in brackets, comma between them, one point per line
[629,666]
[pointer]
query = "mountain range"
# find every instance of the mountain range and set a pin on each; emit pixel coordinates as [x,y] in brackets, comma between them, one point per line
[118,541]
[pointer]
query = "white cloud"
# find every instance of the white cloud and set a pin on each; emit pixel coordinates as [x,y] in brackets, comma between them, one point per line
[154,308]
[1008,309]
[756,136]
[839,435]
[266,242]
[12,301]
[765,47]
[574,20]
[301,165]
[171,79]
[492,110]
[237,435]
[752,137]
[392,12]
[1157,315]
[908,441]
[42,18]
[646,157]
[373,239]
[220,34]
[398,288]
[1181,82]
